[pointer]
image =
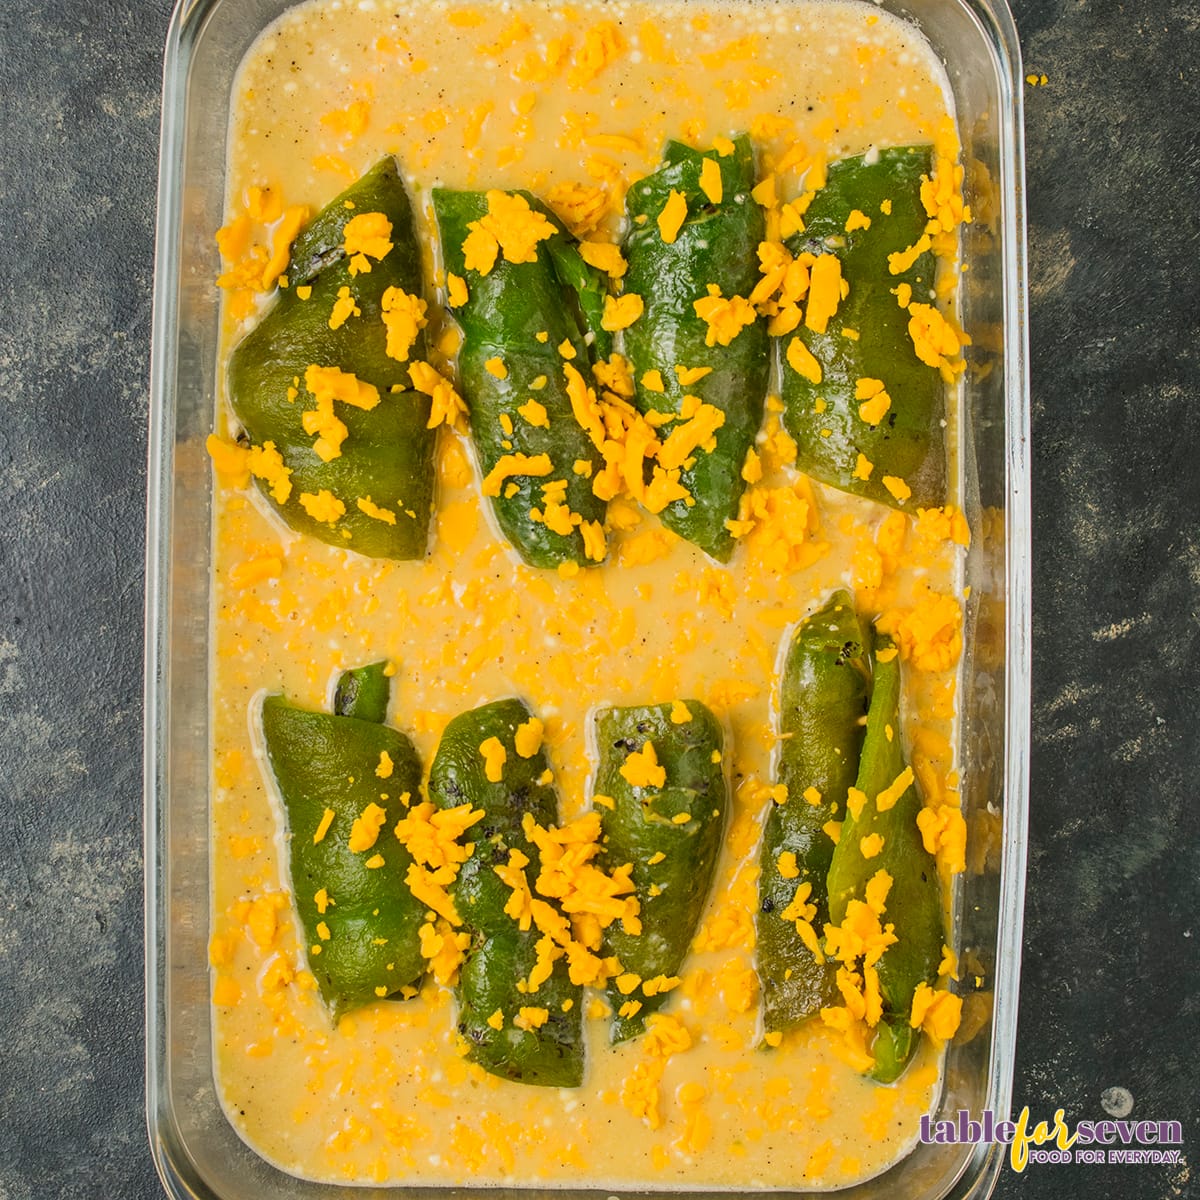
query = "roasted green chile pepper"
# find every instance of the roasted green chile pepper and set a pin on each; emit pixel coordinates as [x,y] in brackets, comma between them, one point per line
[908,442]
[517,319]
[363,692]
[660,790]
[360,921]
[386,457]
[717,245]
[501,954]
[914,900]
[823,700]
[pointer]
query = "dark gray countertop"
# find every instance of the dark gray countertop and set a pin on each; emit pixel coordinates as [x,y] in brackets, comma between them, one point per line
[1109,994]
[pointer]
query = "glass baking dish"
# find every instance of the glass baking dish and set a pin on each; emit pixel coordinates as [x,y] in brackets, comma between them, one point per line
[195,1149]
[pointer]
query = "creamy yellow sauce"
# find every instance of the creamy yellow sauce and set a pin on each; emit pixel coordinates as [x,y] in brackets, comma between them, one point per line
[525,95]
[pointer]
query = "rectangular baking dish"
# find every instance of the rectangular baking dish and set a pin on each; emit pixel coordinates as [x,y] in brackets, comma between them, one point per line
[195,1149]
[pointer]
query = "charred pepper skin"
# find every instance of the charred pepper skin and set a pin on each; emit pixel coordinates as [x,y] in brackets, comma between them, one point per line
[640,826]
[501,953]
[717,244]
[505,311]
[914,901]
[388,453]
[823,700]
[909,442]
[325,761]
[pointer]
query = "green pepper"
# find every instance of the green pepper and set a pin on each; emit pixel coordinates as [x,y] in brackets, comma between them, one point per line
[386,457]
[363,692]
[514,321]
[914,900]
[823,699]
[501,954]
[668,825]
[717,245]
[360,922]
[908,443]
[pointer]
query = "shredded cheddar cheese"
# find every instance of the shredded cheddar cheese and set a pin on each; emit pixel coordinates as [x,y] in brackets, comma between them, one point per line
[936,1013]
[725,317]
[641,768]
[510,228]
[672,217]
[825,292]
[604,256]
[365,830]
[344,307]
[448,407]
[326,821]
[528,737]
[366,236]
[621,311]
[404,316]
[494,758]
[803,362]
[323,506]
[710,181]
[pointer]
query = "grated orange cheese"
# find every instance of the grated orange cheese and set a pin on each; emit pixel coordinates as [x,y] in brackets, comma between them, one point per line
[344,307]
[323,827]
[875,398]
[494,757]
[604,256]
[366,236]
[802,361]
[510,228]
[324,506]
[365,831]
[937,1013]
[434,837]
[826,290]
[511,465]
[602,45]
[448,407]
[368,507]
[710,181]
[621,311]
[944,834]
[929,634]
[725,318]
[580,207]
[888,797]
[670,220]
[528,737]
[936,342]
[531,1018]
[430,888]
[871,845]
[641,768]
[404,316]
[903,260]
[692,435]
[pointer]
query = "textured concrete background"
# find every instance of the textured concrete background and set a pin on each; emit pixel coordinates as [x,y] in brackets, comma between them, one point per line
[1109,994]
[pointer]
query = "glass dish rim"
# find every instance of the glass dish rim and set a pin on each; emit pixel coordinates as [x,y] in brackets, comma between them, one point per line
[981,1169]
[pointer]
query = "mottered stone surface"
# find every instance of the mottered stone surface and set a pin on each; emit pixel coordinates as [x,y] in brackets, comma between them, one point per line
[1109,996]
